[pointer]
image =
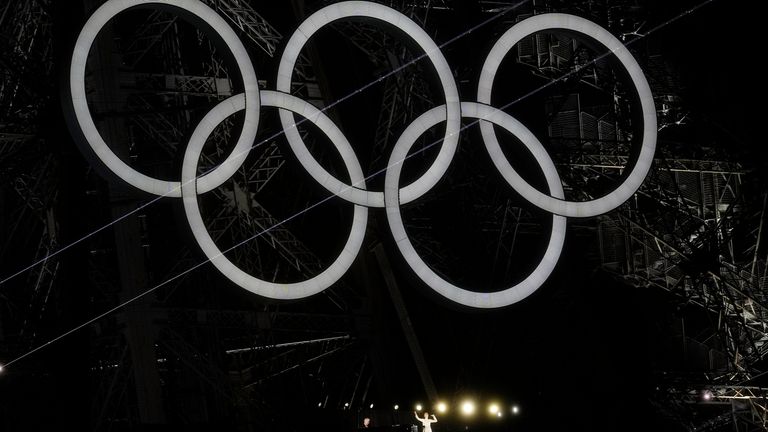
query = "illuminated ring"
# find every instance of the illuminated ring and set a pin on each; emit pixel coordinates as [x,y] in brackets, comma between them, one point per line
[632,182]
[391,187]
[452,106]
[141,181]
[280,291]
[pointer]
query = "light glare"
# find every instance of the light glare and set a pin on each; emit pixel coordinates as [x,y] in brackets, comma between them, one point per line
[442,407]
[468,408]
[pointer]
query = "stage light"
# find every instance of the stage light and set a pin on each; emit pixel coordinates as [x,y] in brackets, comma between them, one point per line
[442,407]
[468,408]
[706,395]
[418,407]
[498,414]
[1,368]
[371,406]
[515,409]
[346,404]
[319,404]
[493,408]
[397,407]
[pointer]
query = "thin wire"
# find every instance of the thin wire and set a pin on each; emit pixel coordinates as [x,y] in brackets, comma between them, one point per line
[228,160]
[347,187]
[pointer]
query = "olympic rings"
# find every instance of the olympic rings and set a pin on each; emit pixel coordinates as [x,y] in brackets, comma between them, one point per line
[393,195]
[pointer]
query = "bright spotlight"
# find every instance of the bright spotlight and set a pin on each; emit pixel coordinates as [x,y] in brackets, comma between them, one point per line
[493,408]
[515,409]
[418,407]
[346,404]
[706,395]
[468,408]
[498,414]
[319,404]
[371,406]
[442,407]
[1,368]
[397,407]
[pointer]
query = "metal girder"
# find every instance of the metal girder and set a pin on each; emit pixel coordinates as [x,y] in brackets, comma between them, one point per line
[252,215]
[618,163]
[257,29]
[373,42]
[683,230]
[248,349]
[653,262]
[26,42]
[252,219]
[203,366]
[253,25]
[115,372]
[405,95]
[666,252]
[36,192]
[736,407]
[551,55]
[10,143]
[655,255]
[203,86]
[146,36]
[225,383]
[239,13]
[266,363]
[41,278]
[251,320]
[405,323]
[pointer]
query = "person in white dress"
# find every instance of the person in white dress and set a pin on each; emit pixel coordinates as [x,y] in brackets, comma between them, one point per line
[426,421]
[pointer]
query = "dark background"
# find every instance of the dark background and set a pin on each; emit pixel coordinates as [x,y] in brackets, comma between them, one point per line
[582,353]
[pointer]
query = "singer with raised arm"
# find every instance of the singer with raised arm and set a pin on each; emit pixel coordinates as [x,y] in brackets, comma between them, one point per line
[426,422]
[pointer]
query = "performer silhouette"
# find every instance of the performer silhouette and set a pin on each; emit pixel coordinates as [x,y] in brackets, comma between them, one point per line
[426,421]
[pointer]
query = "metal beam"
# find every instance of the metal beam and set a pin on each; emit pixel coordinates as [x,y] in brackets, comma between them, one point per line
[405,322]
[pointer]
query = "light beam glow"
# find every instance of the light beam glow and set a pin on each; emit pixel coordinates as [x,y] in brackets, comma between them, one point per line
[468,408]
[442,407]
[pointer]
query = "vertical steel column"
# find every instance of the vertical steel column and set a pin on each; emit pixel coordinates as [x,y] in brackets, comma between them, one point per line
[139,331]
[405,323]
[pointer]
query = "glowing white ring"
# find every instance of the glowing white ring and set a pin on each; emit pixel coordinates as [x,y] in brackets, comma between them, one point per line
[281,291]
[459,295]
[151,185]
[350,9]
[632,182]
